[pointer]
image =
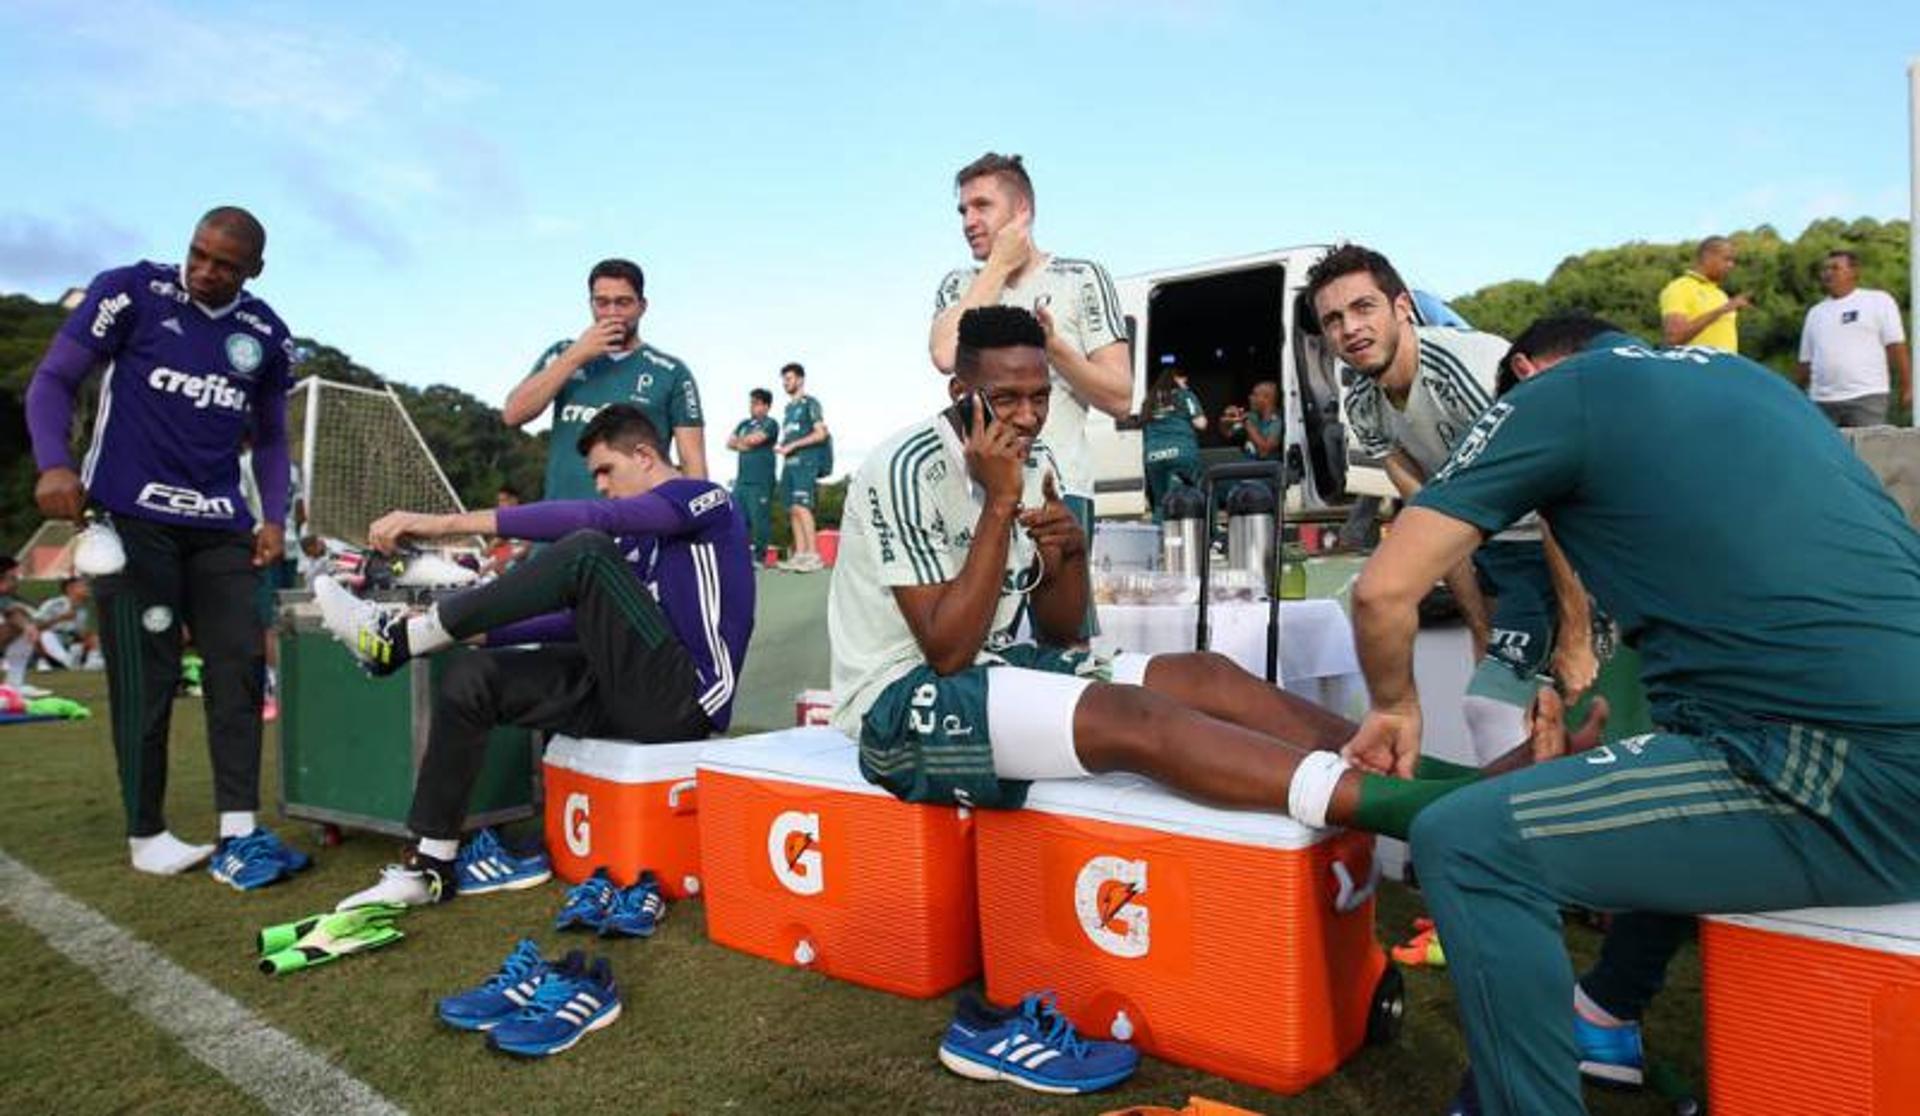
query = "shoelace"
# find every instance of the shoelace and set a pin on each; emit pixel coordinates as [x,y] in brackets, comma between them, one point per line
[640,900]
[483,845]
[253,844]
[551,996]
[1056,1030]
[589,895]
[523,962]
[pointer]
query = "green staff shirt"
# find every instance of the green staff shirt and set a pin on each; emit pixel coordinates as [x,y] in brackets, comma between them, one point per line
[1755,562]
[802,415]
[660,385]
[1170,428]
[756,463]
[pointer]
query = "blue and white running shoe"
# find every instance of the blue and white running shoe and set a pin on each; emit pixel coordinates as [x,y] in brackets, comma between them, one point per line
[486,865]
[1610,1055]
[637,911]
[1033,1046]
[564,1009]
[588,903]
[507,991]
[256,860]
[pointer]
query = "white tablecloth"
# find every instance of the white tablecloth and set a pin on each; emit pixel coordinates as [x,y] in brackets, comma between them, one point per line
[1317,660]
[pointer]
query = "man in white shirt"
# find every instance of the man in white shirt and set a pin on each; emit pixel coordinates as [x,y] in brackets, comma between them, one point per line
[1088,356]
[1847,344]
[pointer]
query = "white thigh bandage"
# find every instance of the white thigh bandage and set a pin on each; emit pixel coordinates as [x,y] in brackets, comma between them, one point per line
[1130,668]
[1493,726]
[1030,722]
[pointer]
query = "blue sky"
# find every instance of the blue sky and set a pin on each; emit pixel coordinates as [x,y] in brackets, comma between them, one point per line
[437,178]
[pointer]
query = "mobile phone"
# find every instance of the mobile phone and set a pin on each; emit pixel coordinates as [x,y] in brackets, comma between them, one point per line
[963,411]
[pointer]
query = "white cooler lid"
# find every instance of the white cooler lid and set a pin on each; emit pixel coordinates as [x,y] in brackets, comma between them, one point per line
[1891,929]
[624,761]
[1127,799]
[816,755]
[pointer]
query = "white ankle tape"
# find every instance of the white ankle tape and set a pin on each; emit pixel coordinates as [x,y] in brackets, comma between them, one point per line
[1311,791]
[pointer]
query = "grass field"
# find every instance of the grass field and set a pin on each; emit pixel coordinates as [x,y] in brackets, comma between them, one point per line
[704,1030]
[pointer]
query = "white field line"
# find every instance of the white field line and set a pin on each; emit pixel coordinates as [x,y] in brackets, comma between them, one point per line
[263,1061]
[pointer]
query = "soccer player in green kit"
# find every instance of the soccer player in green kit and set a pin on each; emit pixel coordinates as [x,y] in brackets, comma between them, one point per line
[1773,590]
[1170,442]
[807,449]
[608,363]
[754,440]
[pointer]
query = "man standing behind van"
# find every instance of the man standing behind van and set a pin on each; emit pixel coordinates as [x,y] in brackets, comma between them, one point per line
[1087,351]
[609,364]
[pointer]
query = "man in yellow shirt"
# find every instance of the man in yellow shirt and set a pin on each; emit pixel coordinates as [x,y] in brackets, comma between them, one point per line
[1694,310]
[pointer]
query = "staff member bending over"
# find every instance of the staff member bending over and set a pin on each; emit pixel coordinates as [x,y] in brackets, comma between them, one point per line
[1781,655]
[643,607]
[957,519]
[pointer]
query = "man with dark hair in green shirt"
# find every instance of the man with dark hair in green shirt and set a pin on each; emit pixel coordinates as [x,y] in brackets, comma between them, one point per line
[754,440]
[607,364]
[1772,589]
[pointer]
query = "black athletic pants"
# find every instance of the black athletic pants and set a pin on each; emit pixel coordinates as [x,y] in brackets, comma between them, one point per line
[626,678]
[206,579]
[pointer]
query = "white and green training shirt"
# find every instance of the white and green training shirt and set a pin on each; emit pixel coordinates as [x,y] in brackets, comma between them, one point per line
[908,520]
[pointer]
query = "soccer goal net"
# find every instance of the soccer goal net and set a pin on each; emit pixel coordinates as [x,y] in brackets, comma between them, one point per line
[48,555]
[360,456]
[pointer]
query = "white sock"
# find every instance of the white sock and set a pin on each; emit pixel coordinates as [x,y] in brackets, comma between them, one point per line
[1592,1012]
[425,635]
[273,681]
[1311,791]
[163,854]
[439,848]
[237,823]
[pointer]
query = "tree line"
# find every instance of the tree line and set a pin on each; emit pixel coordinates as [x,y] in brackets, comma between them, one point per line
[1782,277]
[479,452]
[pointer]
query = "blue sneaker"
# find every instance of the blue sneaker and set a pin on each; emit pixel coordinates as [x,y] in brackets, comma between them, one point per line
[588,903]
[1033,1046]
[507,991]
[1611,1055]
[637,911]
[565,1007]
[486,865]
[256,860]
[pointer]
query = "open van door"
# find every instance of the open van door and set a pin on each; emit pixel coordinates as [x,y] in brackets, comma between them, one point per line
[1321,409]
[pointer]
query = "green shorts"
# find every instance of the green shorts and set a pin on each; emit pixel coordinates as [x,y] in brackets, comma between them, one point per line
[1520,639]
[797,482]
[926,738]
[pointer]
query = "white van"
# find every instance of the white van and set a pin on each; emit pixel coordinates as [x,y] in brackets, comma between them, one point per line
[1231,324]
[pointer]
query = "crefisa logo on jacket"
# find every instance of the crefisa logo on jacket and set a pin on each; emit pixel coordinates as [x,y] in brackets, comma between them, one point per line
[793,850]
[1107,899]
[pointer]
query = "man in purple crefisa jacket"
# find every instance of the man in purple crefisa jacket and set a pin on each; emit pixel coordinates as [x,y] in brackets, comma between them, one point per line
[641,609]
[192,366]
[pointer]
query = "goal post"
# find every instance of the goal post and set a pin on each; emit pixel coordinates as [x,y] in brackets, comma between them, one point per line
[361,456]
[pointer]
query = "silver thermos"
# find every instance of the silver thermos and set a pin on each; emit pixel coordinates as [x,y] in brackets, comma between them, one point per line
[1183,530]
[1250,541]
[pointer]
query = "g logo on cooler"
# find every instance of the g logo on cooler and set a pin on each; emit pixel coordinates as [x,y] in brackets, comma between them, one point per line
[1106,897]
[576,825]
[793,849]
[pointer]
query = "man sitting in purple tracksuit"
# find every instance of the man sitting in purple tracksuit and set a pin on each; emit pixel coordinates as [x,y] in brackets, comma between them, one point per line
[642,609]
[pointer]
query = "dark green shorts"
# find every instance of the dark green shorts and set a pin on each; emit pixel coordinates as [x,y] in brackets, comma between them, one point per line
[926,738]
[797,482]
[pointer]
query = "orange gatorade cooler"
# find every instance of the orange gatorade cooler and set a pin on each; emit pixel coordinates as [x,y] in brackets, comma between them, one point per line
[1813,1011]
[1237,942]
[806,863]
[623,806]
